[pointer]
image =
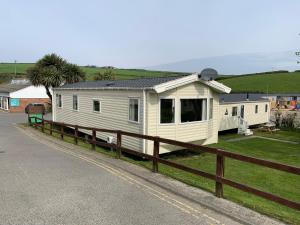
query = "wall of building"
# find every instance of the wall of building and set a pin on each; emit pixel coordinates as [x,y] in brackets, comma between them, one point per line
[25,101]
[228,122]
[113,115]
[200,132]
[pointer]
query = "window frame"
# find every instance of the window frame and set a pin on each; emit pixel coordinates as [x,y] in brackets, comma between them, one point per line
[59,100]
[139,109]
[172,98]
[236,112]
[194,97]
[100,105]
[75,110]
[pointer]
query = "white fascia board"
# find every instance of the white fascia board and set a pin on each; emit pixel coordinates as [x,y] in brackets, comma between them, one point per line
[175,83]
[217,86]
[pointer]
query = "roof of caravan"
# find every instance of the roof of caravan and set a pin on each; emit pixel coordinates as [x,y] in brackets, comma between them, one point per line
[242,97]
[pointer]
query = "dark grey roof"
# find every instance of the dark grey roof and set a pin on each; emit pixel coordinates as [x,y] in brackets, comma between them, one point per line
[8,88]
[142,83]
[241,97]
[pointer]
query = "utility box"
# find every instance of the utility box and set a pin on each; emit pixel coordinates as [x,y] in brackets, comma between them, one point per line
[36,110]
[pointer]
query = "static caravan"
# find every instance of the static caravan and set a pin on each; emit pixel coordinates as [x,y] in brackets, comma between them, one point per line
[241,111]
[16,95]
[183,108]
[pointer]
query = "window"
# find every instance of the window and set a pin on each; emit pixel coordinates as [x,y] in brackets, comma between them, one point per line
[234,111]
[167,110]
[266,108]
[58,101]
[226,112]
[211,108]
[96,106]
[134,109]
[193,110]
[75,102]
[256,108]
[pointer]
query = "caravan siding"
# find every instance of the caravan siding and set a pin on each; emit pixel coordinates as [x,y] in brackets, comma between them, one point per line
[113,115]
[200,132]
[229,121]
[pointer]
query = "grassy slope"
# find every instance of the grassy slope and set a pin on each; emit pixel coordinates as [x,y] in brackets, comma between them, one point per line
[266,179]
[9,68]
[273,83]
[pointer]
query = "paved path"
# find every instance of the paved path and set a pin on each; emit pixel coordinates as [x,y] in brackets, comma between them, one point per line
[44,183]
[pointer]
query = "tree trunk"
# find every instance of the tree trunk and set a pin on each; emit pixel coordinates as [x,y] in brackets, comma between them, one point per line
[48,93]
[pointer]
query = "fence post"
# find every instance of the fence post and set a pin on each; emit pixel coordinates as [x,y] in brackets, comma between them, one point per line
[93,139]
[155,155]
[119,145]
[43,126]
[76,135]
[219,174]
[50,127]
[62,131]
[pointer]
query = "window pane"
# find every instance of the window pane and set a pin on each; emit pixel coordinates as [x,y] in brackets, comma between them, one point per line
[167,110]
[234,111]
[211,107]
[256,108]
[58,100]
[96,105]
[134,110]
[75,102]
[266,108]
[193,110]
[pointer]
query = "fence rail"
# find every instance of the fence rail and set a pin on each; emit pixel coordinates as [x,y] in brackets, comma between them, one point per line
[218,177]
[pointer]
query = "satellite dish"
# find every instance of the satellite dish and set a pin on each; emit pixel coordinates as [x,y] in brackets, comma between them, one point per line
[208,74]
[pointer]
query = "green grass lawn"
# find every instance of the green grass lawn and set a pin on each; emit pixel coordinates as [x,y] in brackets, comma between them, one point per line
[272,83]
[289,135]
[270,180]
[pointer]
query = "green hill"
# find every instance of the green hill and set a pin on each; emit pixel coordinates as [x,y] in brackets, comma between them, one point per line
[8,70]
[268,82]
[271,83]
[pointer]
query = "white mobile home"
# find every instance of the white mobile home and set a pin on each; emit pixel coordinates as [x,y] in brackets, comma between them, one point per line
[241,111]
[183,108]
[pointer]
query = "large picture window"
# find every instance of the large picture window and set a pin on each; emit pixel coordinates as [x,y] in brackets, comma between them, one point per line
[193,110]
[58,101]
[167,110]
[134,109]
[75,102]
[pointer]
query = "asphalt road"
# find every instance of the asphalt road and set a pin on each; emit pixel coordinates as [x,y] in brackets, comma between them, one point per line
[40,185]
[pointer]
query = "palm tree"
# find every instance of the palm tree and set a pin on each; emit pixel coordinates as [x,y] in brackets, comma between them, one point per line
[52,71]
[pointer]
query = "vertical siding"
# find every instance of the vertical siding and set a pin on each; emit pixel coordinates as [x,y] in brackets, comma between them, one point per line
[113,115]
[231,122]
[202,132]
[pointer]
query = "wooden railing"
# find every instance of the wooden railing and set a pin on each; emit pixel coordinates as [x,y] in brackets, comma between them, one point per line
[218,177]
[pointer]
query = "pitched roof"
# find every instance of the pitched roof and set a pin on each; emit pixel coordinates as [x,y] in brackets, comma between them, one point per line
[143,83]
[241,97]
[8,88]
[158,84]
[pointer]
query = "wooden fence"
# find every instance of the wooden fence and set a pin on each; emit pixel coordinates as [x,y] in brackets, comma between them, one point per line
[218,177]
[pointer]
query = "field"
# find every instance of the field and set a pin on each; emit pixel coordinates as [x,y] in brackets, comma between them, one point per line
[263,83]
[267,83]
[276,182]
[9,68]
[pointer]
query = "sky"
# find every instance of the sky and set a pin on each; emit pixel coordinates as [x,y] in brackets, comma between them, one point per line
[142,33]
